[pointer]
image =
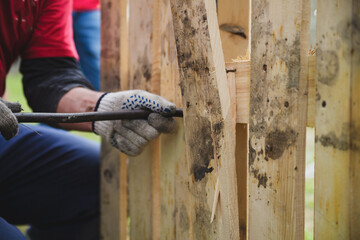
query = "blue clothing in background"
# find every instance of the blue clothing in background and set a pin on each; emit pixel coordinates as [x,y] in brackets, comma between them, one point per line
[86,26]
[49,179]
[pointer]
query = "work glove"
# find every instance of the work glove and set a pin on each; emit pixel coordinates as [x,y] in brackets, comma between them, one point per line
[130,136]
[9,126]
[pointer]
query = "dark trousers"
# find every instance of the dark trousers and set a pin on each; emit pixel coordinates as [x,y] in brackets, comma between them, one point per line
[49,179]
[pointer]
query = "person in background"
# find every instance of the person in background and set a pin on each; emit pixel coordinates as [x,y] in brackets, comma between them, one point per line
[86,27]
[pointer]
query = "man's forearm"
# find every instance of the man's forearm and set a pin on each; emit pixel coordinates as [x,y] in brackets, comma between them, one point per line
[78,100]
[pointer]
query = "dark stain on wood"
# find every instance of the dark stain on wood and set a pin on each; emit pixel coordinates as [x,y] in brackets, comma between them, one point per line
[184,219]
[107,175]
[344,142]
[202,150]
[233,29]
[331,140]
[252,155]
[204,129]
[276,142]
[327,64]
[202,227]
[261,177]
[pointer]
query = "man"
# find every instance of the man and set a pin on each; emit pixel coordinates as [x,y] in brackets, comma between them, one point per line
[86,26]
[49,178]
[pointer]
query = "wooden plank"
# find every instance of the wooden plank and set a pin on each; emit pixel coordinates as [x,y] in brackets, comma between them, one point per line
[242,138]
[209,124]
[140,76]
[241,153]
[233,13]
[172,145]
[355,124]
[337,139]
[241,72]
[278,90]
[113,165]
[312,95]
[156,144]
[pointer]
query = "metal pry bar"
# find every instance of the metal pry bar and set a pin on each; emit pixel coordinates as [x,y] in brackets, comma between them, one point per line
[87,117]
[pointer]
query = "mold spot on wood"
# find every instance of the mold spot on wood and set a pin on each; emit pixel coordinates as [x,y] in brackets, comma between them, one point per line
[323,104]
[276,142]
[343,142]
[262,180]
[261,177]
[107,175]
[200,171]
[252,155]
[202,149]
[201,224]
[265,68]
[327,66]
[331,140]
[184,219]
[233,29]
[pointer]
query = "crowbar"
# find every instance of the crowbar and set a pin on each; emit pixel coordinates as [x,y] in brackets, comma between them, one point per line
[87,116]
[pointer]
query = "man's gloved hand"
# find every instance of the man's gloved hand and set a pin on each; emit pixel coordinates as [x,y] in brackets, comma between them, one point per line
[9,126]
[130,136]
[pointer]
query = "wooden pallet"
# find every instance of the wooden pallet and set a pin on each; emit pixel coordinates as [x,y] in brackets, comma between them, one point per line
[235,167]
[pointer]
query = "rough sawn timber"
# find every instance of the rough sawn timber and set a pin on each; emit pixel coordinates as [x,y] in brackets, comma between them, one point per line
[113,167]
[337,147]
[208,120]
[140,77]
[277,127]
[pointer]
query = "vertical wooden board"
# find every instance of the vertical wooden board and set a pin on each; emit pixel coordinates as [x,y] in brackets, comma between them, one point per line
[172,202]
[355,124]
[140,74]
[238,74]
[140,204]
[113,166]
[156,144]
[234,15]
[277,127]
[312,94]
[242,144]
[140,35]
[241,70]
[172,146]
[170,79]
[337,120]
[209,124]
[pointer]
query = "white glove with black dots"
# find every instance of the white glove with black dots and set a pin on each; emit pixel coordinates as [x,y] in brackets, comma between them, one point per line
[130,136]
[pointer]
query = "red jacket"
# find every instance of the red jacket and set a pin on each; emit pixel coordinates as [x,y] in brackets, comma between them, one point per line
[86,5]
[34,29]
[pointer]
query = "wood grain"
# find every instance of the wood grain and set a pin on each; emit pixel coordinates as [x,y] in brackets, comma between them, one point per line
[234,12]
[140,77]
[208,119]
[277,127]
[312,92]
[241,72]
[337,123]
[114,77]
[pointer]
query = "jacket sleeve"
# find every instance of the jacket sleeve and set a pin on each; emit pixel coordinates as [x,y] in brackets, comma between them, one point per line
[46,80]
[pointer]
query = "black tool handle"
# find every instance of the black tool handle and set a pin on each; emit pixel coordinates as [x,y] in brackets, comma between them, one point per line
[86,117]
